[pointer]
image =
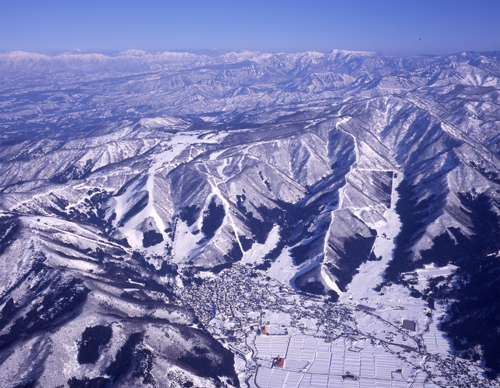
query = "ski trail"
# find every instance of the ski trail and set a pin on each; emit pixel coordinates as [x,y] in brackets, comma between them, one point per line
[225,203]
[372,272]
[178,143]
[324,274]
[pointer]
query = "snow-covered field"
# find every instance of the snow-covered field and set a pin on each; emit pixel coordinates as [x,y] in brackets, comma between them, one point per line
[312,362]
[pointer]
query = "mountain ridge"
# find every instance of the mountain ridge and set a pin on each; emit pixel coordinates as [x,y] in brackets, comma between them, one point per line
[305,168]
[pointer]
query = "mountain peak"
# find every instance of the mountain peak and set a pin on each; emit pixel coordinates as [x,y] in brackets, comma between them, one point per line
[338,52]
[133,53]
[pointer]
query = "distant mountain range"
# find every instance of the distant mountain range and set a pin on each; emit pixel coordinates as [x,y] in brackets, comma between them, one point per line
[120,175]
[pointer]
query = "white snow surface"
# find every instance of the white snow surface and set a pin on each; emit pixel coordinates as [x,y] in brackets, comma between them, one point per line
[371,273]
[256,254]
[283,268]
[177,144]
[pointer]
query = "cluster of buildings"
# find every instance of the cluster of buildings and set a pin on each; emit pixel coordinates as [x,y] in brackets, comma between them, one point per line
[236,300]
[239,304]
[455,372]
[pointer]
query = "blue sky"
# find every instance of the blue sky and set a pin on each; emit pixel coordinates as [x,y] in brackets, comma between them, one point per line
[405,27]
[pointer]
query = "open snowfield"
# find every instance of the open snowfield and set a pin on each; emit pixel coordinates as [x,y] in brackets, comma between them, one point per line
[312,362]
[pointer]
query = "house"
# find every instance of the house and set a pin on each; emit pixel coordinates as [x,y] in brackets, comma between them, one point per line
[349,376]
[409,325]
[278,361]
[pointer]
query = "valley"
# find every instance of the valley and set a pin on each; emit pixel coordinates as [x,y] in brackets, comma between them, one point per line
[249,219]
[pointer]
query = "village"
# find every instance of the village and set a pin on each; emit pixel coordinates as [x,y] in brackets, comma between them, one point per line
[282,338]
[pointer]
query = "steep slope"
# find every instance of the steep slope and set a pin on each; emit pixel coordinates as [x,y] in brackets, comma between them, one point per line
[300,166]
[96,312]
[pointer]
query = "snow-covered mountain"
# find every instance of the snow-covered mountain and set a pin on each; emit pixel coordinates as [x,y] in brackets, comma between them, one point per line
[124,178]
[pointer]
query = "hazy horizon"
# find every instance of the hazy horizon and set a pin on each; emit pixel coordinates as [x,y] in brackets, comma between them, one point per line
[388,27]
[217,52]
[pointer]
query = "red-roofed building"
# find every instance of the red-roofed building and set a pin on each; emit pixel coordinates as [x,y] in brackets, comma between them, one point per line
[278,361]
